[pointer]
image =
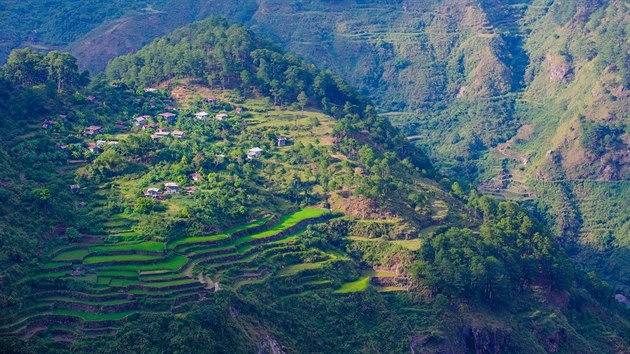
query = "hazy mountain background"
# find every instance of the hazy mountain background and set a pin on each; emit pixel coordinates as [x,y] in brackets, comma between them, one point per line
[527,100]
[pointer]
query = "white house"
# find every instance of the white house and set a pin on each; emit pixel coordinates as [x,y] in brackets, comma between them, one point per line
[202,115]
[138,122]
[171,188]
[152,192]
[221,116]
[254,153]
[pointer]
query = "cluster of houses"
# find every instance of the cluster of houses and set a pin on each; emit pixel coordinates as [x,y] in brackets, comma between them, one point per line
[204,115]
[171,188]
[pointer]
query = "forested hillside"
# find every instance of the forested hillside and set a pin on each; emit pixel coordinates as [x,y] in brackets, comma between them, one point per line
[212,193]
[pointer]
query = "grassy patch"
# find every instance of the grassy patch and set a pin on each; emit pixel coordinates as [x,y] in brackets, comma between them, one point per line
[286,222]
[297,268]
[52,265]
[413,245]
[121,258]
[148,246]
[73,255]
[197,239]
[355,286]
[173,264]
[94,317]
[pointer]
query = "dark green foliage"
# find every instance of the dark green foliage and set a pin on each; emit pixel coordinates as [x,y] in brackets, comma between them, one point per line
[510,252]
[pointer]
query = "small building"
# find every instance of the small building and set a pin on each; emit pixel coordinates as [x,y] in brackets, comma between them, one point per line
[211,99]
[82,205]
[162,133]
[170,108]
[139,121]
[196,176]
[282,141]
[178,134]
[74,188]
[95,148]
[202,115]
[149,126]
[221,116]
[168,117]
[91,98]
[254,153]
[171,188]
[92,130]
[238,110]
[190,189]
[48,123]
[153,192]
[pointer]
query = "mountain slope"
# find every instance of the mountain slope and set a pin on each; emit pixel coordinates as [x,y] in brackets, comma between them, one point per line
[231,265]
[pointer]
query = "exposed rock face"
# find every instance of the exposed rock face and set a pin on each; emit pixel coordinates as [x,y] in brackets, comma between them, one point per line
[485,340]
[559,68]
[270,346]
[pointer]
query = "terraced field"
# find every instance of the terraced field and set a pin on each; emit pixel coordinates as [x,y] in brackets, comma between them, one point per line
[87,289]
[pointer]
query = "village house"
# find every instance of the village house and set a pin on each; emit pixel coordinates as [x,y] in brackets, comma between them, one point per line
[48,123]
[92,130]
[202,115]
[178,134]
[171,188]
[91,98]
[238,110]
[74,188]
[82,205]
[282,141]
[139,121]
[149,126]
[94,148]
[168,117]
[152,192]
[190,189]
[211,99]
[254,153]
[170,108]
[196,176]
[221,116]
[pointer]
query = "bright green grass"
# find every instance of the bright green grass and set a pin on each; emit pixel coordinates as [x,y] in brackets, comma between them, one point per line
[173,264]
[208,250]
[286,222]
[148,246]
[73,255]
[94,317]
[54,265]
[297,268]
[104,280]
[120,258]
[222,236]
[197,239]
[358,285]
[352,287]
[58,274]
